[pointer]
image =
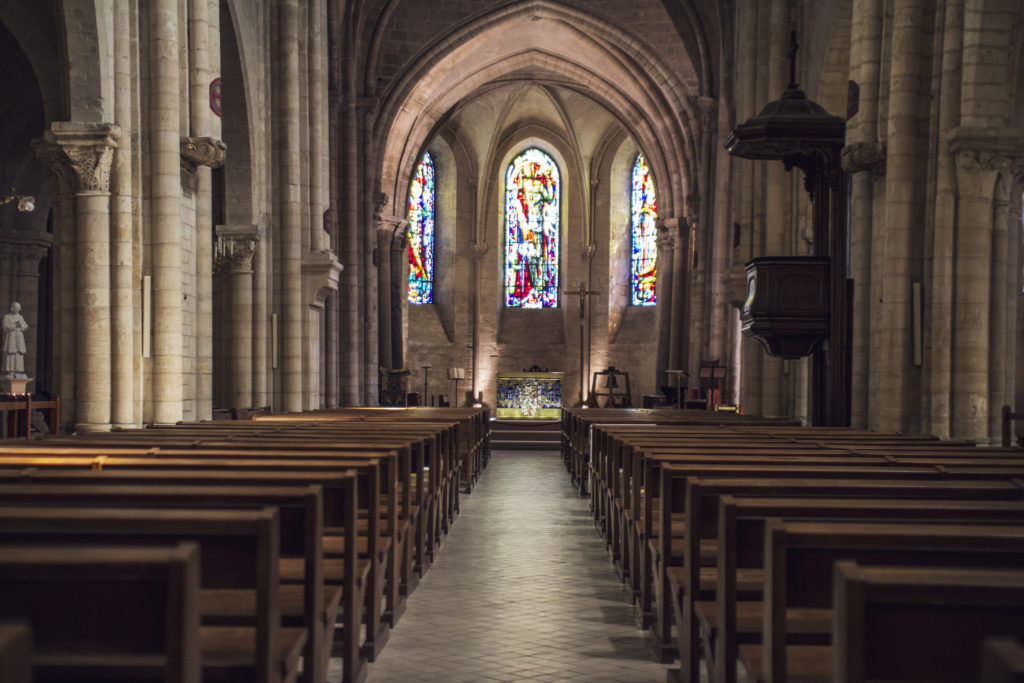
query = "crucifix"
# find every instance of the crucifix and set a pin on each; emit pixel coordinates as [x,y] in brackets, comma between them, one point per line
[582,292]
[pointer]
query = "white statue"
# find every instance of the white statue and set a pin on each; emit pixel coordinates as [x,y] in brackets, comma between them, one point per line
[14,327]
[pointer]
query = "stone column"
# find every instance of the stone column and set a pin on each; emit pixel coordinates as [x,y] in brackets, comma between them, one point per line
[891,408]
[165,210]
[201,121]
[862,136]
[397,290]
[292,321]
[236,248]
[668,237]
[90,148]
[978,328]
[64,319]
[122,239]
[384,231]
[999,352]
[321,271]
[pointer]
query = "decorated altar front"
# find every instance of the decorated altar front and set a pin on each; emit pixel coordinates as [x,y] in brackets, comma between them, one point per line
[529,395]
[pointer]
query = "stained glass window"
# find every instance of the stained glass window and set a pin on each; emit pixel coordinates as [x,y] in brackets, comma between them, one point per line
[531,231]
[421,233]
[643,265]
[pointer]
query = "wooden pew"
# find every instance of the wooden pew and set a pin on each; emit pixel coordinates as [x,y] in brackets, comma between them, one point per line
[634,517]
[667,540]
[798,576]
[306,602]
[239,571]
[15,652]
[383,600]
[420,520]
[428,449]
[95,613]
[896,623]
[739,571]
[688,506]
[343,568]
[1002,661]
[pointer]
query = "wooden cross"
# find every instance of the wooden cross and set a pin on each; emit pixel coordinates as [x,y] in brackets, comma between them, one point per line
[582,294]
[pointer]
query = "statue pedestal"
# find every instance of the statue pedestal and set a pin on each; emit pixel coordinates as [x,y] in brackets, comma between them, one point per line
[16,386]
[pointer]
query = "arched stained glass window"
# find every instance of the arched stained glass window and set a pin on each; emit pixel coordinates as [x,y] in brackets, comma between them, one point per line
[531,231]
[421,233]
[643,264]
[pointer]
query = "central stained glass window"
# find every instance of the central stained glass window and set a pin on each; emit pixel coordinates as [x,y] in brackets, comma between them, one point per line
[421,233]
[531,231]
[644,262]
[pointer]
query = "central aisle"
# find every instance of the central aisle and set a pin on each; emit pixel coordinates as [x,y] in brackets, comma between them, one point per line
[522,590]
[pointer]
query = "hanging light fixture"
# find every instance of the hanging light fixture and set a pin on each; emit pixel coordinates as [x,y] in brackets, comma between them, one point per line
[26,203]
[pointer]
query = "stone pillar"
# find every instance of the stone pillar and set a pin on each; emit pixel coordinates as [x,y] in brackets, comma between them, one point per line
[202,24]
[321,271]
[891,408]
[397,291]
[383,261]
[999,353]
[65,320]
[862,136]
[89,148]
[236,248]
[291,238]
[972,322]
[165,210]
[122,241]
[668,238]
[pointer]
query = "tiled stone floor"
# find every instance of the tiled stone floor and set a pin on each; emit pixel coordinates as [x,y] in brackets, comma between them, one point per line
[522,590]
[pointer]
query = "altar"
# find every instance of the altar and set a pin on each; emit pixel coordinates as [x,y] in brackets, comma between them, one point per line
[529,395]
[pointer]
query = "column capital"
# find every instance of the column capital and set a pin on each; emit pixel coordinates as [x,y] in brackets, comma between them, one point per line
[202,151]
[53,159]
[669,234]
[706,107]
[89,150]
[236,248]
[981,153]
[321,271]
[864,156]
[479,250]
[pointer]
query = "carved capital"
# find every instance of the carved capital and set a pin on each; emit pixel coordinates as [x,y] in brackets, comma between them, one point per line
[669,235]
[53,158]
[89,150]
[321,272]
[22,257]
[479,250]
[236,248]
[706,107]
[196,152]
[380,199]
[981,153]
[864,156]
